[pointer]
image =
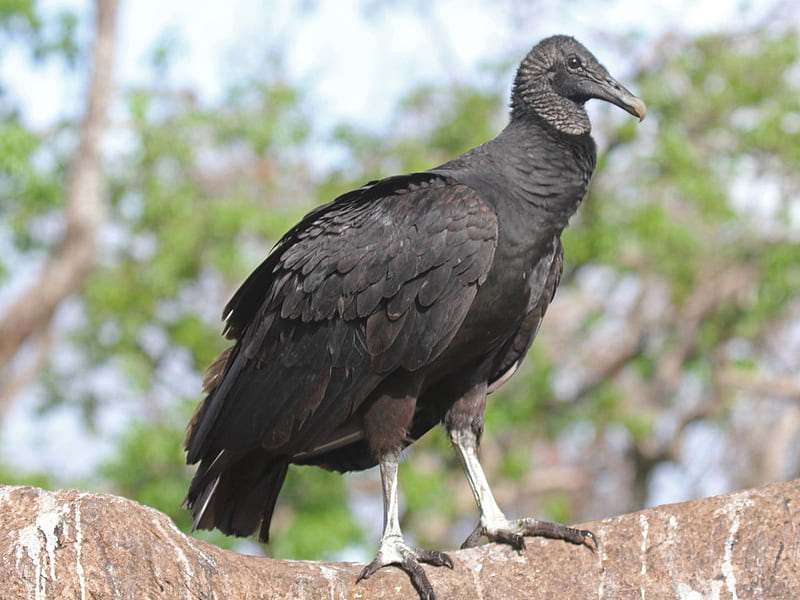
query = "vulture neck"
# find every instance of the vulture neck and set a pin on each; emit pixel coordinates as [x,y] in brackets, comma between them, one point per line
[547,169]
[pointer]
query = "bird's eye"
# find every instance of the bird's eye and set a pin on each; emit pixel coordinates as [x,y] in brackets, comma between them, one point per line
[573,62]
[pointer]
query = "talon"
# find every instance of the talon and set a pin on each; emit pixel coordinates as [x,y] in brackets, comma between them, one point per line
[369,570]
[589,534]
[474,537]
[435,558]
[418,578]
[393,551]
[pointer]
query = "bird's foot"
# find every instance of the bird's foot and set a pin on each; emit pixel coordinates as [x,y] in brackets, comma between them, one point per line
[513,533]
[394,551]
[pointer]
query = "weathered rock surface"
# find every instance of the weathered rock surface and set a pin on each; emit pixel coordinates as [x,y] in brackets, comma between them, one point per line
[72,544]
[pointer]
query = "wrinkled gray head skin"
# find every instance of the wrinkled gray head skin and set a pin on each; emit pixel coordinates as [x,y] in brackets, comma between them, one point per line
[555,80]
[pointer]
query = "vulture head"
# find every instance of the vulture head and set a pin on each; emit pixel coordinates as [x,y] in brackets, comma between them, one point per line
[555,80]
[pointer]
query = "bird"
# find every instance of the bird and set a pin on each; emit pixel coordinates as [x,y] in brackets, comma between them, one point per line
[397,307]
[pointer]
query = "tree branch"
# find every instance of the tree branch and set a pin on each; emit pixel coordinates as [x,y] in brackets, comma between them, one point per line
[761,385]
[85,209]
[15,382]
[73,544]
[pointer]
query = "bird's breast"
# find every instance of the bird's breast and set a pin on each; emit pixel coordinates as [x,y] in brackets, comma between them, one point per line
[499,305]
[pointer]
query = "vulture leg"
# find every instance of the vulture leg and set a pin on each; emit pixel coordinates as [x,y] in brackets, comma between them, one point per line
[464,422]
[386,424]
[393,550]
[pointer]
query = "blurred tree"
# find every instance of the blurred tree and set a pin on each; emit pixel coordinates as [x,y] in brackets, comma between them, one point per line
[68,264]
[668,355]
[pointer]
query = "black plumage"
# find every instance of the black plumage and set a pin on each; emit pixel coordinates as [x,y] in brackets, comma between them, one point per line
[398,306]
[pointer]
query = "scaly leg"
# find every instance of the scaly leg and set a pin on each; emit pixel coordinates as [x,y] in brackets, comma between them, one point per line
[393,550]
[493,523]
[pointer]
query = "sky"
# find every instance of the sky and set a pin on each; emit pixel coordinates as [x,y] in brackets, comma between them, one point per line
[374,54]
[353,63]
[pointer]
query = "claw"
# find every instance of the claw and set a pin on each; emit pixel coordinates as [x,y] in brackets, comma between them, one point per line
[434,557]
[369,570]
[558,531]
[408,559]
[588,534]
[513,533]
[473,538]
[418,579]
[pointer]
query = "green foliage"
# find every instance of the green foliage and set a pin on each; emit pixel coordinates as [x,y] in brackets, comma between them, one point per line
[527,399]
[720,103]
[558,508]
[313,519]
[31,163]
[51,36]
[27,191]
[15,476]
[197,184]
[159,478]
[149,467]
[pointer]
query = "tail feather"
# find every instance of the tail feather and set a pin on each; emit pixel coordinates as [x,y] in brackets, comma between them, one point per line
[237,495]
[203,508]
[220,378]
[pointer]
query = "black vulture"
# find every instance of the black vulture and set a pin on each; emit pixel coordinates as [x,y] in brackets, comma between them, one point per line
[398,306]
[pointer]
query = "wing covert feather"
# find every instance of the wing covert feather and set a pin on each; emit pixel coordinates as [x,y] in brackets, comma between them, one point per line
[377,280]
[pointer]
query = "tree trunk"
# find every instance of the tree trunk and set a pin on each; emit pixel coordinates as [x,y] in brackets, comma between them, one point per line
[73,544]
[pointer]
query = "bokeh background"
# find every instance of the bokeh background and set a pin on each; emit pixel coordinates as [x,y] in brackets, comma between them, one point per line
[666,369]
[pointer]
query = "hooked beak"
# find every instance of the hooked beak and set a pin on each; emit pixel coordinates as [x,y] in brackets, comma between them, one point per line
[609,89]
